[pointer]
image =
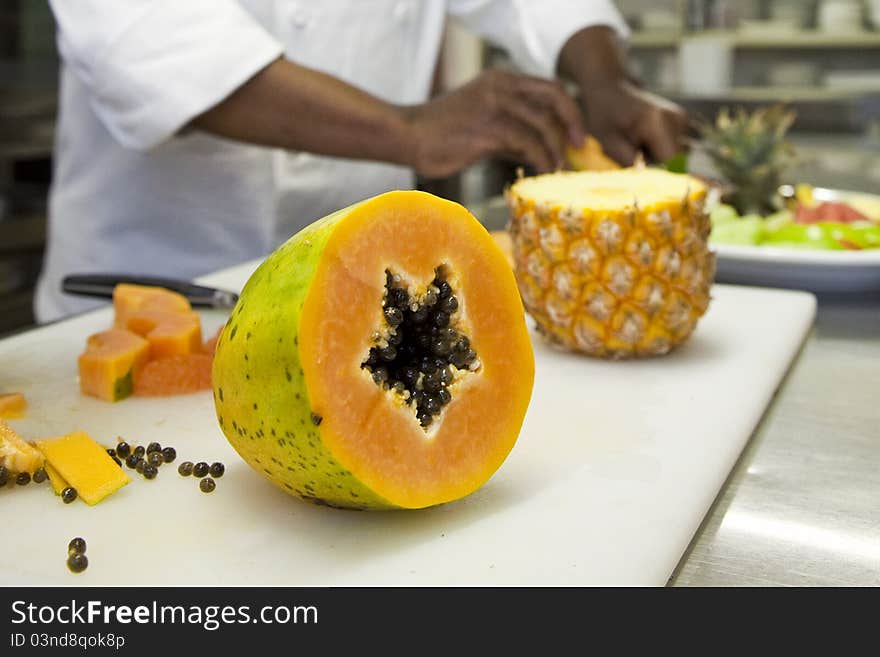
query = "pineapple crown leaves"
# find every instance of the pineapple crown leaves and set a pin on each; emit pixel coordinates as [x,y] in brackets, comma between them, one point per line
[750,152]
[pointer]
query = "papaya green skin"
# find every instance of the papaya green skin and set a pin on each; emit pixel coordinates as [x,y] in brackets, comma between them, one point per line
[260,392]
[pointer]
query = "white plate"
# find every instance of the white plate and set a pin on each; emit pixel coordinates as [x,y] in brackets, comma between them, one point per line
[803,269]
[816,271]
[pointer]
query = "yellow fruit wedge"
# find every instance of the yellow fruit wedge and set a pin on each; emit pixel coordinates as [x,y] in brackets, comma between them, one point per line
[589,157]
[16,455]
[12,405]
[57,481]
[84,465]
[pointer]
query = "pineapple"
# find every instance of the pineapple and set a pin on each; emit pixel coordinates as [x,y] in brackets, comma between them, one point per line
[614,264]
[750,153]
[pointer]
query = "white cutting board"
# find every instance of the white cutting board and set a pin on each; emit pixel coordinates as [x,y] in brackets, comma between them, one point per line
[615,468]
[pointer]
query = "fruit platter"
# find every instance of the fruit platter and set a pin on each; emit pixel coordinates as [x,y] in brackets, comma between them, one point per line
[769,231]
[830,244]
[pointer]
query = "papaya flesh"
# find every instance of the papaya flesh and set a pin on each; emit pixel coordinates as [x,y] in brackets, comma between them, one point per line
[110,362]
[169,333]
[379,359]
[129,299]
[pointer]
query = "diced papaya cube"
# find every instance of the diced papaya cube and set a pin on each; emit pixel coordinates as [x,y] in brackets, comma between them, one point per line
[174,375]
[84,465]
[16,454]
[12,405]
[129,299]
[168,333]
[107,367]
[55,478]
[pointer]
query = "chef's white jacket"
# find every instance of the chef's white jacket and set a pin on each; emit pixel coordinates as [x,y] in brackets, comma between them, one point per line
[131,194]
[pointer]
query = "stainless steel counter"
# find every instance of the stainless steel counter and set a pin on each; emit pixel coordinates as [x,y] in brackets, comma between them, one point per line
[802,505]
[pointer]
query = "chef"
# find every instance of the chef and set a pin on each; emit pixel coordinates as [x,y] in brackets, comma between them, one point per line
[196,135]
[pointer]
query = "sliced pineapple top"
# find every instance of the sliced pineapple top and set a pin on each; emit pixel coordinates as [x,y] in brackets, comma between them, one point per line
[607,190]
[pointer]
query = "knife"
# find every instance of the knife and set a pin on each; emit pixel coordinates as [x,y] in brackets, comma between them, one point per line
[101,285]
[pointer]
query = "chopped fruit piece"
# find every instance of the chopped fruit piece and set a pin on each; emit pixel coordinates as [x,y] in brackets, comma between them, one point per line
[85,465]
[57,481]
[174,375]
[130,299]
[110,362]
[168,333]
[12,405]
[16,455]
[589,157]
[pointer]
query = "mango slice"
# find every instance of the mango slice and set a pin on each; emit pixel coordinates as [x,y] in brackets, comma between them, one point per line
[12,405]
[85,465]
[57,481]
[107,367]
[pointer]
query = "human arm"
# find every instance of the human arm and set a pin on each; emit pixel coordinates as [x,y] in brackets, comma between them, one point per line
[497,114]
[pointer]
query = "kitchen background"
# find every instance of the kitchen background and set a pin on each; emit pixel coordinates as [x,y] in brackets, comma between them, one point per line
[822,56]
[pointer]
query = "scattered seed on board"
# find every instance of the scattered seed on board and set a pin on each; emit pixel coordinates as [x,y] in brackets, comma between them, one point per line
[154,447]
[4,475]
[207,485]
[169,454]
[23,478]
[123,449]
[139,450]
[201,469]
[150,471]
[77,562]
[155,459]
[217,469]
[40,476]
[68,495]
[77,544]
[185,469]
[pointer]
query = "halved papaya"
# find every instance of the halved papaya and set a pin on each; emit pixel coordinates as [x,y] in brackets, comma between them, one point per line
[167,332]
[378,359]
[129,299]
[108,365]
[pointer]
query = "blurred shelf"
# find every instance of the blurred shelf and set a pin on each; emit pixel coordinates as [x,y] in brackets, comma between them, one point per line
[803,39]
[762,94]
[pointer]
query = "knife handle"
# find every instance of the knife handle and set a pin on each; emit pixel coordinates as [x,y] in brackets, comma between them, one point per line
[102,285]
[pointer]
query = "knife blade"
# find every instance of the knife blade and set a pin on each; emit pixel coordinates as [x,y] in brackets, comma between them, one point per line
[101,286]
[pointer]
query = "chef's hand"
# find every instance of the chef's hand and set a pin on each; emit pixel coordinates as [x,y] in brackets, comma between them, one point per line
[624,118]
[501,114]
[628,120]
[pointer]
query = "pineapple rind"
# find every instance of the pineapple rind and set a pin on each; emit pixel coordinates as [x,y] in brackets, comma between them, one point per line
[617,282]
